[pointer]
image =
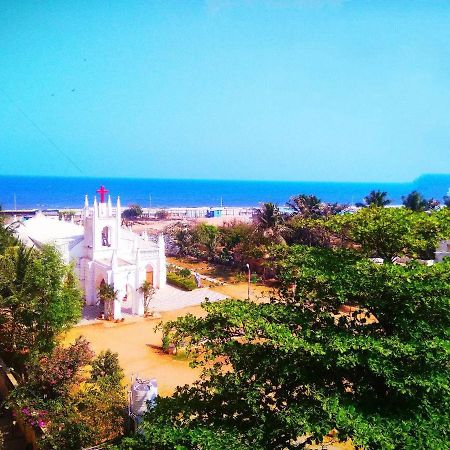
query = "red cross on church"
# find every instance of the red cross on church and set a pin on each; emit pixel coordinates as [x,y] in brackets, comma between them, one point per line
[102,191]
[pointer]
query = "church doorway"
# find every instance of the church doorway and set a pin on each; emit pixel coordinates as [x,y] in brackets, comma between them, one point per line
[149,274]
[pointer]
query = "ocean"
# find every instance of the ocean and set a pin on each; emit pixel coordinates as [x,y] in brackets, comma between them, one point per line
[59,192]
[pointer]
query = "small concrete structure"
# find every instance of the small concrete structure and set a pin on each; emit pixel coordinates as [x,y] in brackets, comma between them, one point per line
[103,252]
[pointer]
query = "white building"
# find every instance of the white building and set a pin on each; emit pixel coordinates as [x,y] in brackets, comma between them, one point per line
[103,252]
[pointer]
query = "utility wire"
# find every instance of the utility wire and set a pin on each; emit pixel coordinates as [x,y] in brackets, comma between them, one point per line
[43,133]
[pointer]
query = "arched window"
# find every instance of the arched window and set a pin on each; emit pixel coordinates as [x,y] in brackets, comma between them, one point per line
[106,237]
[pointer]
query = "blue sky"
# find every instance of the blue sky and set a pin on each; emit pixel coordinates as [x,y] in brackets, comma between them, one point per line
[227,89]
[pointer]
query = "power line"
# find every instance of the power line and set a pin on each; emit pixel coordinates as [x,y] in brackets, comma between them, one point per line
[43,133]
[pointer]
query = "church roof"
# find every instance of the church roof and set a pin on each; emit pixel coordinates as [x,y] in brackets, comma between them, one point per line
[44,230]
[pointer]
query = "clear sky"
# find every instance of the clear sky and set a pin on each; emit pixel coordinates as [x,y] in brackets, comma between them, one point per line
[229,89]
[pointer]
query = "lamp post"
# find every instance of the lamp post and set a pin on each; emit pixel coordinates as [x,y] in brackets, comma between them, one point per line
[248,281]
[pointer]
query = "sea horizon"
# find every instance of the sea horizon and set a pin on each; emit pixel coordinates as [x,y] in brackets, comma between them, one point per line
[43,192]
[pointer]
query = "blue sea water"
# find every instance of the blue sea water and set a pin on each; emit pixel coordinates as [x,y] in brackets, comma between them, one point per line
[59,192]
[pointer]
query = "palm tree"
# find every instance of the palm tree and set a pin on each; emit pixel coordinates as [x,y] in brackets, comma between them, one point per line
[415,201]
[147,290]
[377,198]
[306,205]
[15,264]
[107,295]
[270,221]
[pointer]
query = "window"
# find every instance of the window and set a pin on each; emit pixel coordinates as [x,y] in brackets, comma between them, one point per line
[106,237]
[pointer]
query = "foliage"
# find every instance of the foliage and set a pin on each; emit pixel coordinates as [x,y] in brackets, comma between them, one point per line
[206,236]
[184,272]
[390,232]
[66,214]
[447,201]
[106,295]
[305,205]
[310,206]
[132,212]
[39,298]
[416,202]
[311,232]
[180,239]
[188,284]
[271,222]
[147,290]
[162,214]
[106,364]
[50,376]
[377,198]
[74,410]
[283,374]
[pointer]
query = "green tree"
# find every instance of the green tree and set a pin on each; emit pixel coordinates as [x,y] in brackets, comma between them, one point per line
[390,232]
[57,298]
[147,290]
[133,212]
[415,201]
[284,374]
[16,317]
[207,236]
[106,364]
[377,198]
[51,376]
[39,298]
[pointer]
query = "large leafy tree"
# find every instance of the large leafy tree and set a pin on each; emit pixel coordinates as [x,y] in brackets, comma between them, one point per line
[377,198]
[206,236]
[132,212]
[390,232]
[284,374]
[74,409]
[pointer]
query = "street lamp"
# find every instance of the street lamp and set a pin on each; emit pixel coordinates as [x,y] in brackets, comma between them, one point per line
[248,281]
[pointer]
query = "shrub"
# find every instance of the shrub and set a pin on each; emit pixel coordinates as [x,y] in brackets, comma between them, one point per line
[162,214]
[187,284]
[185,273]
[132,212]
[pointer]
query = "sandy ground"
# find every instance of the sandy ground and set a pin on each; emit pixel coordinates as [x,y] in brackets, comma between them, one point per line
[160,225]
[138,345]
[139,349]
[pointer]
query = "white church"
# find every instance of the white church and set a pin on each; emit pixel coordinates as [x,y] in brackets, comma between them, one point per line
[102,251]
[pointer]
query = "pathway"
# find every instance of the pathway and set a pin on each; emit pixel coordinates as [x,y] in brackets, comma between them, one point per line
[168,298]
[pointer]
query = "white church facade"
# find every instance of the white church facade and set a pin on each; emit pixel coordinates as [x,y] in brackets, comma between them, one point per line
[102,251]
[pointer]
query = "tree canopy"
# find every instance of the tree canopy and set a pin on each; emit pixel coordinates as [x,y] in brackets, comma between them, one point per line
[286,373]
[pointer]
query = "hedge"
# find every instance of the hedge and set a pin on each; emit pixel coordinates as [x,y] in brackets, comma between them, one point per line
[188,284]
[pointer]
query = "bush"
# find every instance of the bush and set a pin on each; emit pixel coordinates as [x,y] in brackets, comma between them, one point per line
[132,212]
[187,284]
[185,273]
